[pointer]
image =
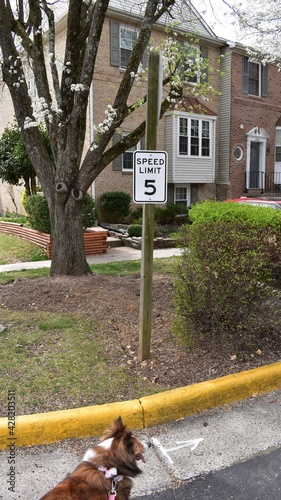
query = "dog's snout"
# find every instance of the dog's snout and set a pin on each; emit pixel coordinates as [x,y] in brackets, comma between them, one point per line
[146,444]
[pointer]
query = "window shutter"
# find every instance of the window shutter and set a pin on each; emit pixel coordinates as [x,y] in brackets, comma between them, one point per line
[245,81]
[264,80]
[117,162]
[114,44]
[142,143]
[205,54]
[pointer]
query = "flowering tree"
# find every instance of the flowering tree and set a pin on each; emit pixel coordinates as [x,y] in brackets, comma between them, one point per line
[260,25]
[68,172]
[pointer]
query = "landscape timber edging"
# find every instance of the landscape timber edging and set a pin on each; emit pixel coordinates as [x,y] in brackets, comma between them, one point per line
[94,238]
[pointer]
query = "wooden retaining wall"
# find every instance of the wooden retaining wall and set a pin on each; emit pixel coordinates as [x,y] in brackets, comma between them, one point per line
[94,238]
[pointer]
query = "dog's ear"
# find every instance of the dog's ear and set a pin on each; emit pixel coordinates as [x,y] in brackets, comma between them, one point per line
[115,430]
[127,438]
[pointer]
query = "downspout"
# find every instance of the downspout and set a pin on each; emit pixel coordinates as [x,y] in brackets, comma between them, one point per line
[91,114]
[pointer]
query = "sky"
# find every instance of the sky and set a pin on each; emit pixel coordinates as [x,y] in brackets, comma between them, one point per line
[218,16]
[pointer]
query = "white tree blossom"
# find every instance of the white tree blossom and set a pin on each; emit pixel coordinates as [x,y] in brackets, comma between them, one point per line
[260,26]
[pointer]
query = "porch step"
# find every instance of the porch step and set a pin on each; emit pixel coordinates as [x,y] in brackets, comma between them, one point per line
[253,193]
[113,242]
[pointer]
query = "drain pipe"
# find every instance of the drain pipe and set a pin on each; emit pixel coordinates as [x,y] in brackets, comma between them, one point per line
[92,136]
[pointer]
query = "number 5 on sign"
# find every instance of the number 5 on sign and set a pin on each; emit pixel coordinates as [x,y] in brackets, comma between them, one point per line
[150,176]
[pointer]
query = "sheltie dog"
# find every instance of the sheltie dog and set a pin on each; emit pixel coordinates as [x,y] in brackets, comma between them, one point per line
[106,469]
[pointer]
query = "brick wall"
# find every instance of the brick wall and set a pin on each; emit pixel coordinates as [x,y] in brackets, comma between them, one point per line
[248,112]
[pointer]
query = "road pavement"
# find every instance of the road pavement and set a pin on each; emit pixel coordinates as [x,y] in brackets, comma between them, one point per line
[224,453]
[256,479]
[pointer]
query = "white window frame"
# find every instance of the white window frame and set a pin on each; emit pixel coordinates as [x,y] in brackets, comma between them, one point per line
[123,27]
[189,120]
[277,143]
[259,78]
[195,58]
[187,197]
[131,151]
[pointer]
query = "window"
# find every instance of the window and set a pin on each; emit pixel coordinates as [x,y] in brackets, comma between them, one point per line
[255,77]
[238,153]
[182,196]
[128,159]
[278,145]
[122,41]
[194,68]
[128,39]
[194,137]
[125,162]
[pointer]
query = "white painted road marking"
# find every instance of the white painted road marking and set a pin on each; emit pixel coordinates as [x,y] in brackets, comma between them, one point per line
[193,443]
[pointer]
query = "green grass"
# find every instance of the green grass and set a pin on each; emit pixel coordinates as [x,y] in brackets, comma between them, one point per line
[57,361]
[111,268]
[14,249]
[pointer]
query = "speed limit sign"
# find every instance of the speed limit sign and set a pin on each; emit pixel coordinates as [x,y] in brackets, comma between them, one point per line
[150,176]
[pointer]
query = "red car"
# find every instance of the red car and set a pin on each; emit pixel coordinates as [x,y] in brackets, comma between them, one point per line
[258,202]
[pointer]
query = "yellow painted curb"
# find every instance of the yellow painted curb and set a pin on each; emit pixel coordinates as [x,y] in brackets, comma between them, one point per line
[184,401]
[43,428]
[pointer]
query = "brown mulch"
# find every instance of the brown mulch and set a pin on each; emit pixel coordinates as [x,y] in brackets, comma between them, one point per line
[115,301]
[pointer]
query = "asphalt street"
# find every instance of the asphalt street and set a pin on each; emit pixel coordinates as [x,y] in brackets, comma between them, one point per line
[230,452]
[256,479]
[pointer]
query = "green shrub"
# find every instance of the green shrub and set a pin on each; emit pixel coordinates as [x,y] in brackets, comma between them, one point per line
[115,206]
[39,218]
[260,218]
[136,214]
[230,211]
[38,213]
[24,198]
[135,230]
[89,211]
[172,214]
[222,277]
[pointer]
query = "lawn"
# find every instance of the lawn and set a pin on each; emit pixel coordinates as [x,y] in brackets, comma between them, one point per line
[13,249]
[58,360]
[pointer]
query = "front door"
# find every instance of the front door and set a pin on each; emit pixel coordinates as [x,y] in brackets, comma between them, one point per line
[255,181]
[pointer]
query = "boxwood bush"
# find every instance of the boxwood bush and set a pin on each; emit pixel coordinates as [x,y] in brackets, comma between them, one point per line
[226,268]
[135,230]
[114,206]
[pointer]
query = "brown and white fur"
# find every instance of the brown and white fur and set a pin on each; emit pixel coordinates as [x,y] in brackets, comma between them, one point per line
[118,448]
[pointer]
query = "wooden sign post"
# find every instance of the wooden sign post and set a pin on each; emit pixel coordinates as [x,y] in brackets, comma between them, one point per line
[147,167]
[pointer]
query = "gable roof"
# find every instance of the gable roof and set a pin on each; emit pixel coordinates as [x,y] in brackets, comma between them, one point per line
[193,105]
[183,13]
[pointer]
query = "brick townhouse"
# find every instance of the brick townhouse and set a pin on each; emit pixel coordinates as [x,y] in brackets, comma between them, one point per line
[210,144]
[250,127]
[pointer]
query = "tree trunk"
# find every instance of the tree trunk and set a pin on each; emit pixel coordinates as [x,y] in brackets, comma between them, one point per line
[68,256]
[33,184]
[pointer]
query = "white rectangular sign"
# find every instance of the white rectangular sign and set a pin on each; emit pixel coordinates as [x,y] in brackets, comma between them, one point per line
[150,176]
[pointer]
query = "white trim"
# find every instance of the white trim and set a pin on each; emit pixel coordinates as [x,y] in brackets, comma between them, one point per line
[258,135]
[200,119]
[260,78]
[188,192]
